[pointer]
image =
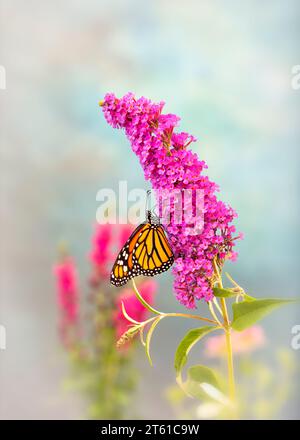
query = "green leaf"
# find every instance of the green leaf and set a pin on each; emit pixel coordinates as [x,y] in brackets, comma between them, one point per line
[229,293]
[248,298]
[184,347]
[149,336]
[202,374]
[247,313]
[202,383]
[223,293]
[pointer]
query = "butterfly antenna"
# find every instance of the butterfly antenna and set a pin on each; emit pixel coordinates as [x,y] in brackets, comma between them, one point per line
[147,202]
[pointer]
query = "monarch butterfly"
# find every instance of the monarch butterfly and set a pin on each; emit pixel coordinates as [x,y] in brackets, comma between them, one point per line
[146,252]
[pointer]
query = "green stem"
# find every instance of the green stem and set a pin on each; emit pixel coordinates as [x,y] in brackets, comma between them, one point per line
[184,315]
[157,312]
[231,382]
[212,311]
[227,329]
[141,299]
[181,315]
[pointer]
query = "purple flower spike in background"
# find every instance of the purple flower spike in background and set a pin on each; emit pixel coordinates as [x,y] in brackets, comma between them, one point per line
[171,166]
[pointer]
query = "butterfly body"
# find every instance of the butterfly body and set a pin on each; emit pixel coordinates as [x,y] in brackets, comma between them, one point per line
[147,252]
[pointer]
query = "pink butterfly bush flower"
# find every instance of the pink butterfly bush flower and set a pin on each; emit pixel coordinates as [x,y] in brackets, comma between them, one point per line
[170,165]
[133,306]
[67,290]
[242,342]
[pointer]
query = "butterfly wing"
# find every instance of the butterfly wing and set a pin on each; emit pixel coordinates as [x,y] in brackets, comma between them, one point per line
[153,253]
[147,252]
[123,268]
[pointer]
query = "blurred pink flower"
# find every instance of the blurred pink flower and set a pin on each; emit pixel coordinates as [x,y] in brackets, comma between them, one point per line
[124,233]
[242,342]
[67,289]
[106,242]
[133,306]
[100,254]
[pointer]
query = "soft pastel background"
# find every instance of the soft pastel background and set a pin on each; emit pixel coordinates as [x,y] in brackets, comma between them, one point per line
[225,68]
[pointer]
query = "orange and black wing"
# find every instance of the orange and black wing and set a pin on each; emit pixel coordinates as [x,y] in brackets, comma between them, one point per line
[153,253]
[123,269]
[147,252]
